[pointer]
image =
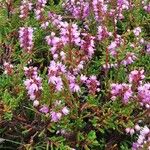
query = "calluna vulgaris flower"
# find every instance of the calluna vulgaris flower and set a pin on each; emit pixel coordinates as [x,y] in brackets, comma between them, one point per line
[40,4]
[79,9]
[137,31]
[114,45]
[129,59]
[55,71]
[87,45]
[92,83]
[25,7]
[70,34]
[57,115]
[144,94]
[103,33]
[143,139]
[136,76]
[122,91]
[99,9]
[26,38]
[33,83]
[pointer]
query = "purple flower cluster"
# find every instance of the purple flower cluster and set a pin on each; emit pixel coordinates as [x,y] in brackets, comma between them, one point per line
[55,70]
[71,48]
[114,45]
[146,5]
[25,7]
[129,59]
[87,45]
[70,34]
[122,91]
[68,64]
[103,33]
[57,111]
[33,84]
[143,139]
[136,89]
[144,95]
[99,9]
[122,5]
[54,19]
[92,83]
[40,4]
[136,77]
[137,31]
[78,9]
[26,38]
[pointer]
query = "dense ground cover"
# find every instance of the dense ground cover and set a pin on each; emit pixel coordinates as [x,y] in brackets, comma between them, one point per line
[75,74]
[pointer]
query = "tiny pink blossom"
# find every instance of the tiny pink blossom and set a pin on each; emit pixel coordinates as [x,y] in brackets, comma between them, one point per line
[65,111]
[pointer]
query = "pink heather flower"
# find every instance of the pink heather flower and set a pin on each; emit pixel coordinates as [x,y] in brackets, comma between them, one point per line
[140,139]
[144,93]
[137,127]
[52,40]
[30,72]
[129,59]
[56,68]
[121,90]
[78,9]
[103,33]
[136,76]
[26,38]
[63,55]
[145,131]
[143,139]
[83,78]
[33,82]
[132,131]
[8,68]
[40,4]
[147,7]
[44,109]
[127,130]
[87,45]
[55,43]
[99,9]
[137,31]
[55,117]
[57,81]
[25,7]
[69,34]
[114,45]
[124,4]
[108,66]
[65,111]
[92,83]
[54,19]
[36,103]
[38,13]
[121,5]
[45,24]
[74,87]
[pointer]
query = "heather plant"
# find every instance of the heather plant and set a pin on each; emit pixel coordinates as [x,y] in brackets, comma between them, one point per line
[74,74]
